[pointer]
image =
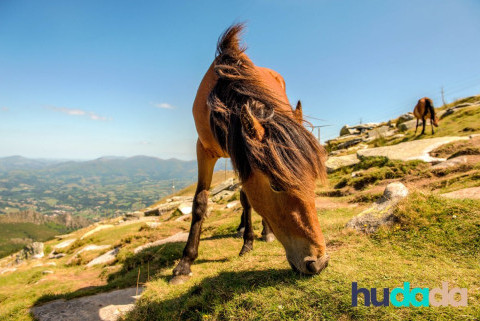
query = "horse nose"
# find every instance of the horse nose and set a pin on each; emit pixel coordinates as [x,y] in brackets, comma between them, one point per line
[317,266]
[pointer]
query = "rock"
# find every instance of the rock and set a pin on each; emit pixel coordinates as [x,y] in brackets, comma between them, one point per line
[223,195]
[93,247]
[31,251]
[56,255]
[51,264]
[47,272]
[179,237]
[349,143]
[106,258]
[444,113]
[382,131]
[185,209]
[108,306]
[6,270]
[336,162]
[347,131]
[232,204]
[153,224]
[407,125]
[405,117]
[64,244]
[466,193]
[221,187]
[381,212]
[183,218]
[134,215]
[412,150]
[453,162]
[95,230]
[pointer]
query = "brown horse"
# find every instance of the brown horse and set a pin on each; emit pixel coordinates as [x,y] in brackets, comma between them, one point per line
[242,111]
[423,110]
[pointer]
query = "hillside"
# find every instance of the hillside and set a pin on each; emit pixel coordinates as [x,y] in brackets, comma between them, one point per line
[434,237]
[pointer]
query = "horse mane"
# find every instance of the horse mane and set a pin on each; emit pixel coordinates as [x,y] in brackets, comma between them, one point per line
[287,152]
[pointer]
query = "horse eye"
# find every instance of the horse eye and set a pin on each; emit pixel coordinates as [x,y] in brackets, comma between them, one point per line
[275,188]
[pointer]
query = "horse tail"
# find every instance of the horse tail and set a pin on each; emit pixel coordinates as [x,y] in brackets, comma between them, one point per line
[429,107]
[249,122]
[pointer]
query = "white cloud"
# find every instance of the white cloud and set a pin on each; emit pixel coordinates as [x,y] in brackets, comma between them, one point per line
[163,105]
[78,112]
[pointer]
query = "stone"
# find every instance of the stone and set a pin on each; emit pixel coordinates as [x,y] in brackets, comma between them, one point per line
[96,229]
[185,209]
[153,224]
[93,247]
[106,258]
[64,244]
[31,251]
[179,237]
[134,215]
[223,195]
[454,162]
[381,212]
[336,162]
[232,204]
[405,117]
[407,125]
[349,143]
[56,255]
[346,130]
[47,272]
[466,193]
[6,270]
[108,306]
[412,150]
[222,186]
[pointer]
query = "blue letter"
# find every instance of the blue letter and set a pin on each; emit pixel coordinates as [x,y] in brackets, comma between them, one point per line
[385,302]
[355,293]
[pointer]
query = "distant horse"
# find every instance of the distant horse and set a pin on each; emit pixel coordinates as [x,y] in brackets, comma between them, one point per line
[423,110]
[242,111]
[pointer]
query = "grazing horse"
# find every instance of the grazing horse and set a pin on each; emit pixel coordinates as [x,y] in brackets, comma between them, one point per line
[242,111]
[423,110]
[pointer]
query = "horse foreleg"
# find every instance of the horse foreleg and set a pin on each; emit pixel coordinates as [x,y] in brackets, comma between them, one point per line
[431,125]
[267,234]
[241,227]
[206,164]
[247,219]
[416,127]
[423,126]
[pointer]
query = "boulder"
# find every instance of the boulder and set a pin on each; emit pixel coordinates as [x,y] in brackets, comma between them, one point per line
[466,193]
[223,195]
[185,209]
[349,143]
[407,125]
[31,251]
[179,237]
[382,131]
[381,212]
[346,130]
[106,258]
[405,117]
[222,186]
[454,162]
[64,244]
[336,162]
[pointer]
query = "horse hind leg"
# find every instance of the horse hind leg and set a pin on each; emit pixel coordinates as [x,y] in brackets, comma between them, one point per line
[431,125]
[423,126]
[416,127]
[247,220]
[206,164]
[267,234]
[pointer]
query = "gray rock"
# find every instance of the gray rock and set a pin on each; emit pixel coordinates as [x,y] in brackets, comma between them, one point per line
[466,193]
[349,143]
[453,162]
[381,212]
[106,258]
[31,251]
[405,117]
[108,306]
[336,162]
[64,244]
[179,237]
[346,130]
[223,195]
[407,125]
[222,186]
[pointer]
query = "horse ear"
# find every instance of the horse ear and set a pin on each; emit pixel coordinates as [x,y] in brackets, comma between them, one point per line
[250,124]
[298,113]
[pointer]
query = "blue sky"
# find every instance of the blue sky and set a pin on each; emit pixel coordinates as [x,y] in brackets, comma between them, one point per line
[84,79]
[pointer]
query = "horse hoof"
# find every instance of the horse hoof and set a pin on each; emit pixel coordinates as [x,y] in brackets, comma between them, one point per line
[245,250]
[179,279]
[268,238]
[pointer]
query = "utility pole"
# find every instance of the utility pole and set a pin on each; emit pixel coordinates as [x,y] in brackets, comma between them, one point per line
[318,130]
[443,97]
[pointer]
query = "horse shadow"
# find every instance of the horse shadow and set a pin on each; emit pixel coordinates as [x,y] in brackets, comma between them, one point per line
[139,268]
